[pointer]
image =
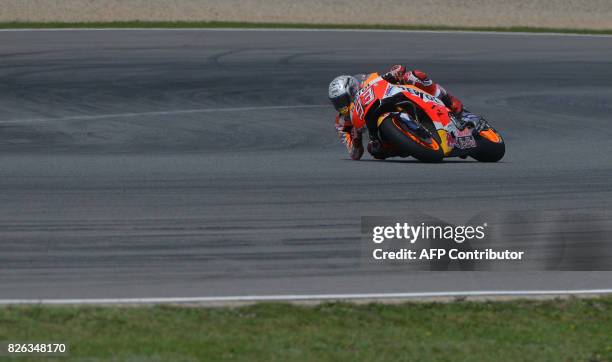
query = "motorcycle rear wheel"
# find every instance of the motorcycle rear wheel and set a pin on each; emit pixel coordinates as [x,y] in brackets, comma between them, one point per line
[406,143]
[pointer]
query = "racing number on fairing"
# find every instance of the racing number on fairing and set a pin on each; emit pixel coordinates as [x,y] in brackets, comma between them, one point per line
[366,96]
[359,109]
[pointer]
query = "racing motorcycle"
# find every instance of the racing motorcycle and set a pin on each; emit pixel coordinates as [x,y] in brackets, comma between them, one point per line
[412,122]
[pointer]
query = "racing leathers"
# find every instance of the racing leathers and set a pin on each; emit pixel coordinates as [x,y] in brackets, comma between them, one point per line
[353,137]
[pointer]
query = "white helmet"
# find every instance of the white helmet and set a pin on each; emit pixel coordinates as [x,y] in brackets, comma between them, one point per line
[342,90]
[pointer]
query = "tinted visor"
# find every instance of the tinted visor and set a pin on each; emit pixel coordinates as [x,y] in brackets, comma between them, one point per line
[341,102]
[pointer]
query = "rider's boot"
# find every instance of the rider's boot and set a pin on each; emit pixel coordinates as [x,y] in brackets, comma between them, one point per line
[379,151]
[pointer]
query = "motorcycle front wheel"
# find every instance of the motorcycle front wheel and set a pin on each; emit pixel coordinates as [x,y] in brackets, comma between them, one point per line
[407,143]
[490,146]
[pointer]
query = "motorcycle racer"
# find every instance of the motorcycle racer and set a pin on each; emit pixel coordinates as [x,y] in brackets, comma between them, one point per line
[343,89]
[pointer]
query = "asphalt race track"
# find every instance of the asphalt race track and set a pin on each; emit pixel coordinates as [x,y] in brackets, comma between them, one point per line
[204,163]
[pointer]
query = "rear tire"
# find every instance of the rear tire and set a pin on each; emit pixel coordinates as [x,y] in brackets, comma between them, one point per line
[488,150]
[406,143]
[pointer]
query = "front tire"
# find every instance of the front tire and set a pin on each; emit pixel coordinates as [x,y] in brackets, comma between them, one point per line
[406,143]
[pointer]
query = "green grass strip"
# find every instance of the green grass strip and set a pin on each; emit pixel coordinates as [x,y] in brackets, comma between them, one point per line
[553,330]
[247,25]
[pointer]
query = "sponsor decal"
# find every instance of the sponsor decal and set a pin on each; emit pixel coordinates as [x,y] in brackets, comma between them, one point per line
[450,140]
[464,138]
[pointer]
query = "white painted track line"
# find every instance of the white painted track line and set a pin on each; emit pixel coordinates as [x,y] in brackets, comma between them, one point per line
[86,117]
[310,297]
[475,32]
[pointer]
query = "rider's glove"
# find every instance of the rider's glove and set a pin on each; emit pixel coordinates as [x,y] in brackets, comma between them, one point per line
[397,71]
[418,78]
[395,74]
